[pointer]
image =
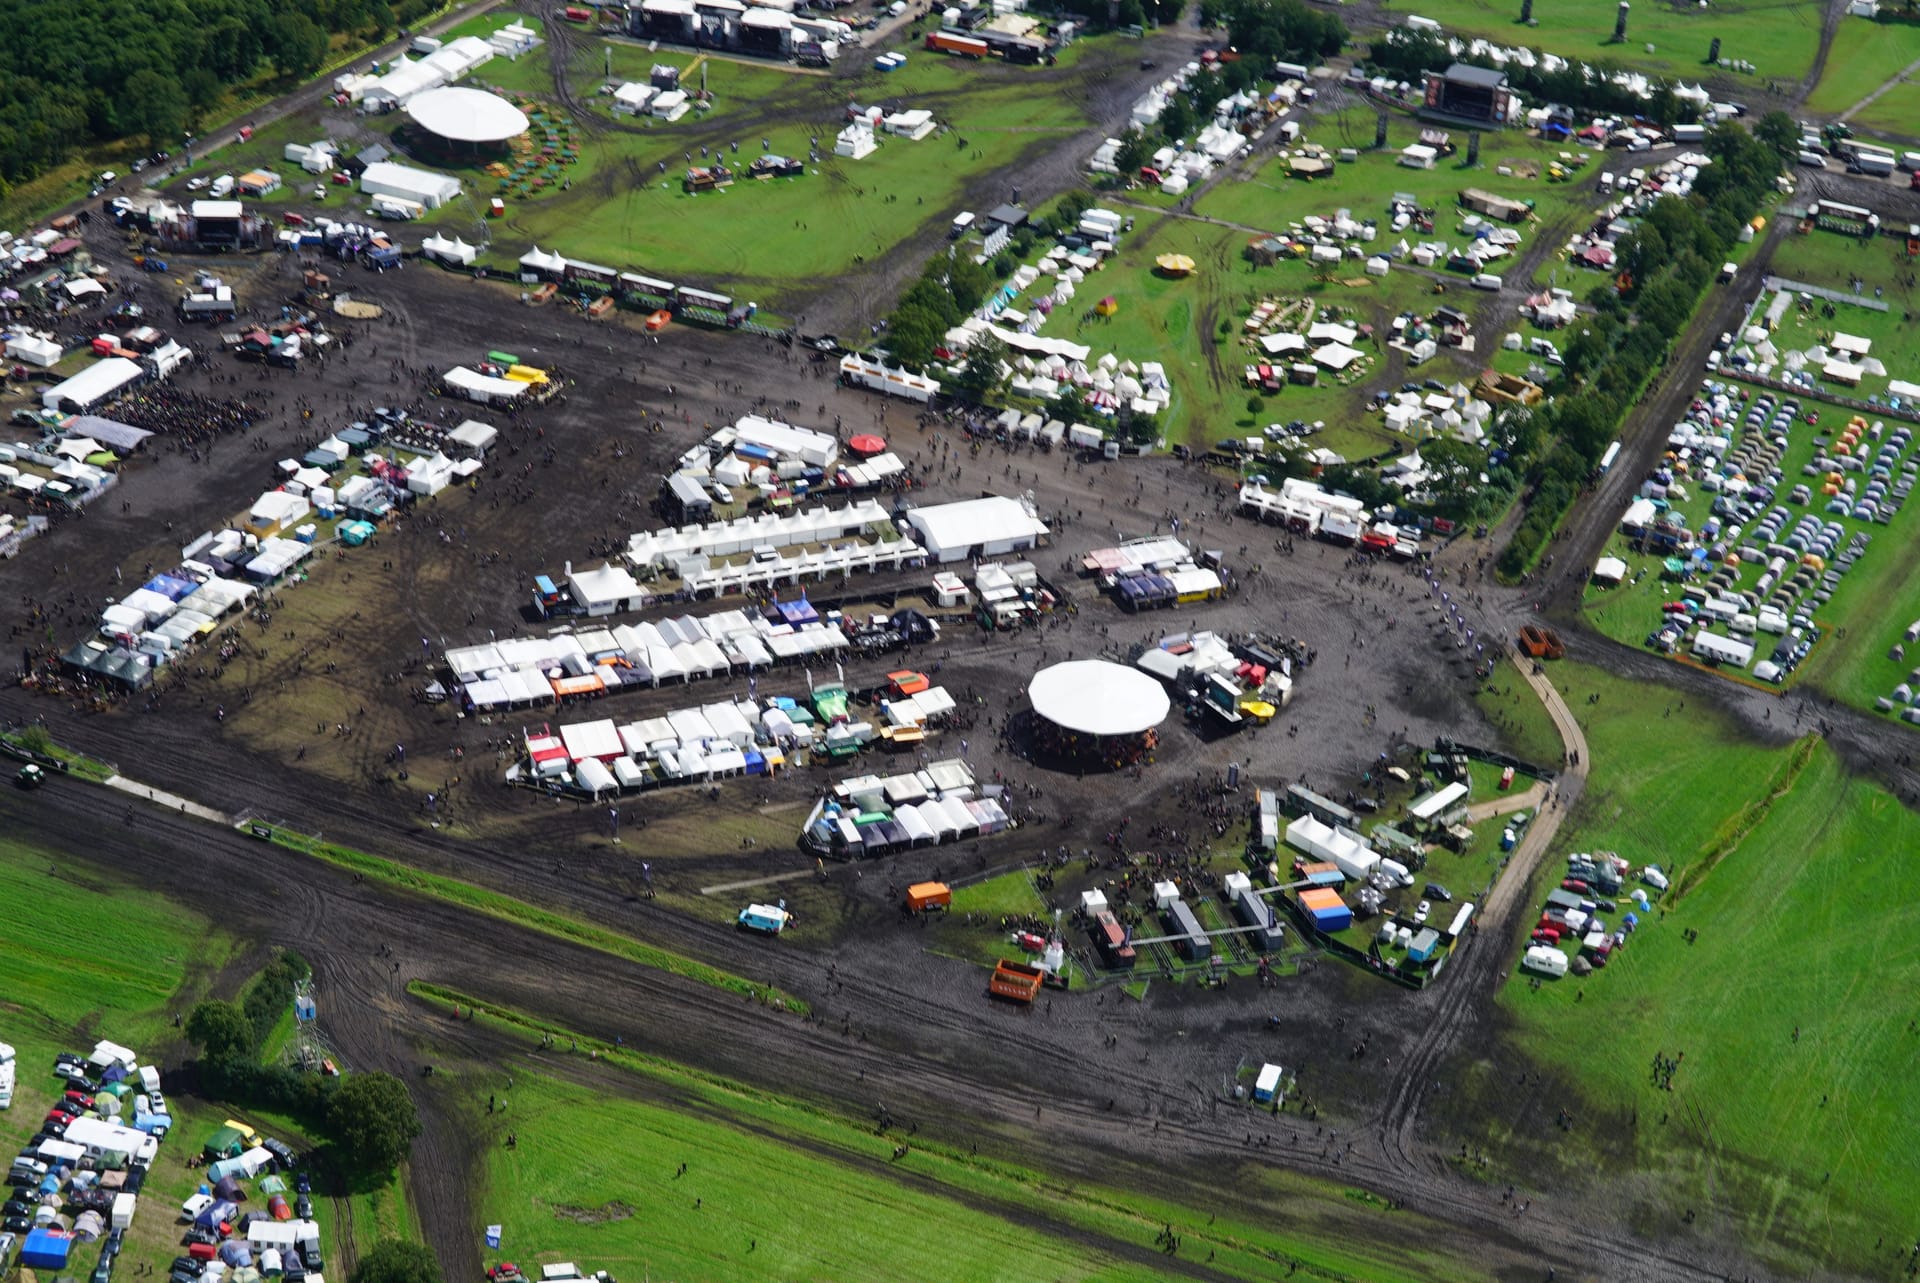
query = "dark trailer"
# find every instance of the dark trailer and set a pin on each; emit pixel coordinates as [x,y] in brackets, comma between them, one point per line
[1181,922]
[1258,913]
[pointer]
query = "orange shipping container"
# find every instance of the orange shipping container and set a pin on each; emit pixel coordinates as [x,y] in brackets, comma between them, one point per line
[922,896]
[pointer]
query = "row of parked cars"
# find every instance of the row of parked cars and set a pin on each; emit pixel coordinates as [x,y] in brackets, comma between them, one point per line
[78,1177]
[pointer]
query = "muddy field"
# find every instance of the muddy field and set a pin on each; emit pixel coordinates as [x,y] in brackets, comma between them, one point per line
[914,1021]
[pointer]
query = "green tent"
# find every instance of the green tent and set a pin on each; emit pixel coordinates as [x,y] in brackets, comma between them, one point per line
[226,1143]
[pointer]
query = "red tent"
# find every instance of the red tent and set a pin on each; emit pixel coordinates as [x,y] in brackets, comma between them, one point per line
[867,443]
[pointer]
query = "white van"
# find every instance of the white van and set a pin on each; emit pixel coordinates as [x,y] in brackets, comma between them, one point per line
[222,187]
[962,224]
[1487,281]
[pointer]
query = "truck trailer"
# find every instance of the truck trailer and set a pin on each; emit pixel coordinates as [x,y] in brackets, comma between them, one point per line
[955,43]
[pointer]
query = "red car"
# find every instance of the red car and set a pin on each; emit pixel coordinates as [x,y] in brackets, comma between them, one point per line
[1573,884]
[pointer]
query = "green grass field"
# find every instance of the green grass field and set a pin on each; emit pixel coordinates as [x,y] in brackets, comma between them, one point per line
[621,204]
[1181,321]
[1894,111]
[1804,914]
[1895,342]
[593,1180]
[1778,36]
[1273,198]
[1864,56]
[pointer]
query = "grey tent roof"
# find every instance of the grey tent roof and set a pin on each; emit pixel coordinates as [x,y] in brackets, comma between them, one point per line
[1466,73]
[112,433]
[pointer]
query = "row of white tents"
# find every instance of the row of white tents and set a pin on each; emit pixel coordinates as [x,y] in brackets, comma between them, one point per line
[669,548]
[527,671]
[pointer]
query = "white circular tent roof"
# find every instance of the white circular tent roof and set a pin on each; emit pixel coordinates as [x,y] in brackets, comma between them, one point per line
[1095,697]
[467,115]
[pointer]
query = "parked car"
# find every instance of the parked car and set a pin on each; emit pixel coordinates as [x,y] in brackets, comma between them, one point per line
[1437,892]
[1420,913]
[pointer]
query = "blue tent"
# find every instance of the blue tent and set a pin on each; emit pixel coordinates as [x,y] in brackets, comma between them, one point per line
[46,1249]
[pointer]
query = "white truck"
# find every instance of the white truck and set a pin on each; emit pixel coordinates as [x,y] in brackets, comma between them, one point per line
[213,303]
[222,187]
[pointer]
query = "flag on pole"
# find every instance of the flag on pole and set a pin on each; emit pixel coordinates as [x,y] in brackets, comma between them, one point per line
[493,1236]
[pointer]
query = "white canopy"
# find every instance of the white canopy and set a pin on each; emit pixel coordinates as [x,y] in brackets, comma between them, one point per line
[1096,697]
[1336,356]
[1275,344]
[467,115]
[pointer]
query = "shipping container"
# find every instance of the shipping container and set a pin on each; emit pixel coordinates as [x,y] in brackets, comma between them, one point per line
[923,897]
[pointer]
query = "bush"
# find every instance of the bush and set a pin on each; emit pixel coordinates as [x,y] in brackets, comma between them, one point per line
[394,1261]
[271,993]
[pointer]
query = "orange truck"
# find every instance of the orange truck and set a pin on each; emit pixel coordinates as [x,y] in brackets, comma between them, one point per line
[1018,981]
[924,897]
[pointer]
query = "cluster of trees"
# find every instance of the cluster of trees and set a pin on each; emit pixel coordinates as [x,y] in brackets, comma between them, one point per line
[1407,54]
[1664,265]
[368,1118]
[71,75]
[1269,31]
[1263,32]
[951,287]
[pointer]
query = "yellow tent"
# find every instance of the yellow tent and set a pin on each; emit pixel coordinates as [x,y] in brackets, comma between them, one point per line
[1106,306]
[1174,264]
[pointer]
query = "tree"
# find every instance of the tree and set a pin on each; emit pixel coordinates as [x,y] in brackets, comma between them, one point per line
[298,46]
[1133,152]
[161,103]
[912,335]
[1777,130]
[981,373]
[1176,121]
[392,1260]
[220,1030]
[1453,468]
[969,281]
[373,1119]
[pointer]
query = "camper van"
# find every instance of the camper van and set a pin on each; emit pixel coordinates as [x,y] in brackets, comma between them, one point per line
[222,187]
[962,224]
